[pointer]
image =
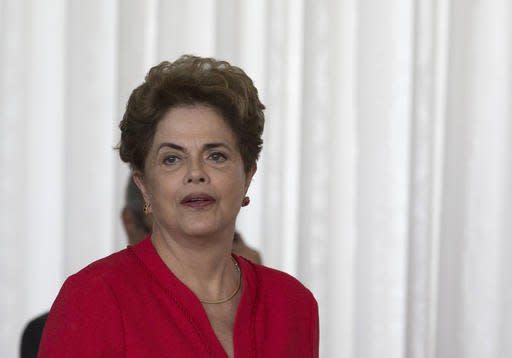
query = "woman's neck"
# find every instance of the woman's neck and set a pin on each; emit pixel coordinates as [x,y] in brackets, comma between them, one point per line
[203,265]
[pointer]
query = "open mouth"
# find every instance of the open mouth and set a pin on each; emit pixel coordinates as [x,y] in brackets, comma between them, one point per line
[199,200]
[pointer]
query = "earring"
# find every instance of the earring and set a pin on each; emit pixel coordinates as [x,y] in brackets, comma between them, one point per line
[246,201]
[146,208]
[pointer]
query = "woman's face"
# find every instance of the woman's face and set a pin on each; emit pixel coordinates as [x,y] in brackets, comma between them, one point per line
[194,174]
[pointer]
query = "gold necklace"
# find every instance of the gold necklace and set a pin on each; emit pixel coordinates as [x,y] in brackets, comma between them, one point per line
[233,294]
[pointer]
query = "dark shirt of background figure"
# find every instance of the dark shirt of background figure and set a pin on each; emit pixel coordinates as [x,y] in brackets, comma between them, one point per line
[32,336]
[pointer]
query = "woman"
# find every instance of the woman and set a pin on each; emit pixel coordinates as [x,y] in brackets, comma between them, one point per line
[191,134]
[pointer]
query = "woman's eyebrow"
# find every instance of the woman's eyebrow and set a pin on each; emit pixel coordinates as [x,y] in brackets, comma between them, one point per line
[171,145]
[184,150]
[216,145]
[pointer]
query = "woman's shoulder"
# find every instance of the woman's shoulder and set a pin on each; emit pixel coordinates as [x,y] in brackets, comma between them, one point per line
[108,269]
[100,284]
[87,310]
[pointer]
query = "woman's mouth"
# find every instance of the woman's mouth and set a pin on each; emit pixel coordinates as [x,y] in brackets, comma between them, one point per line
[197,200]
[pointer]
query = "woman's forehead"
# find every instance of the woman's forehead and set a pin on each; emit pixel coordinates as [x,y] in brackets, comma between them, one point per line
[193,125]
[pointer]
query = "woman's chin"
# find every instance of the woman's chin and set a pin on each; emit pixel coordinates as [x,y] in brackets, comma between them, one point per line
[201,230]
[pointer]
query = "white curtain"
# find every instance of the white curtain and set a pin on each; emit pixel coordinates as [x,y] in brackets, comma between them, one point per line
[385,183]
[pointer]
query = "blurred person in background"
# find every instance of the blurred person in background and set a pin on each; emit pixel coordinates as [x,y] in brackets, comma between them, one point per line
[191,133]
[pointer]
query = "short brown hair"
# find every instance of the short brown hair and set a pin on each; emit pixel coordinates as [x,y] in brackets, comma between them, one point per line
[189,81]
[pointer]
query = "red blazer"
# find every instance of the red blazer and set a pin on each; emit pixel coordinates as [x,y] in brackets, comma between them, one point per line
[130,304]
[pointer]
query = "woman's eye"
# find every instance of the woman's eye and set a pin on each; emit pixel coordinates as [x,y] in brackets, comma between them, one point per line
[171,159]
[217,157]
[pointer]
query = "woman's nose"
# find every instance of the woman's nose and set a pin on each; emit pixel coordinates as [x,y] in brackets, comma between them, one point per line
[196,172]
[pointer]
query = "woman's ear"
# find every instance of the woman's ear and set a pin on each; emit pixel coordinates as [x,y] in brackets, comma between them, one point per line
[249,176]
[138,178]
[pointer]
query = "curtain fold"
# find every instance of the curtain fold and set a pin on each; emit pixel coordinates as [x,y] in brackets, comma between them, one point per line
[90,109]
[32,99]
[476,187]
[428,118]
